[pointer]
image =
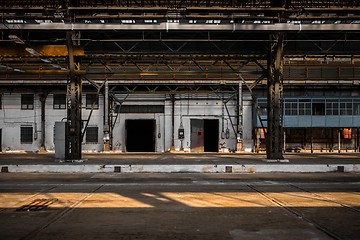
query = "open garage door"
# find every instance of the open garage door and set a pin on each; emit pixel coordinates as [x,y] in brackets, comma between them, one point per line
[140,135]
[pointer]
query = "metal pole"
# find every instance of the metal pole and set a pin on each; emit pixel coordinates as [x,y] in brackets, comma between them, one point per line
[339,140]
[43,101]
[107,140]
[172,97]
[240,124]
[312,140]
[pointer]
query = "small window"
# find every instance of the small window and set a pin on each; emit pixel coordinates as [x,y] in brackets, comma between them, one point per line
[92,135]
[332,107]
[59,101]
[26,134]
[27,101]
[91,99]
[291,107]
[304,107]
[345,107]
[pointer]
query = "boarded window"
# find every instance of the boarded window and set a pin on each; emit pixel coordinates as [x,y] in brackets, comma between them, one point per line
[59,101]
[140,109]
[27,101]
[26,134]
[92,135]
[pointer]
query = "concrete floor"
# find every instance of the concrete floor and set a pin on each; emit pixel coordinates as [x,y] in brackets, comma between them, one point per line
[180,162]
[180,158]
[180,206]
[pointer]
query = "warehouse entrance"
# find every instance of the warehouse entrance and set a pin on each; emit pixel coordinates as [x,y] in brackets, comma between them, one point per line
[140,135]
[204,135]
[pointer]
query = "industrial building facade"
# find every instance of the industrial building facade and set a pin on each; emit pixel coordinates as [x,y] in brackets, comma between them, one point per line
[202,122]
[193,76]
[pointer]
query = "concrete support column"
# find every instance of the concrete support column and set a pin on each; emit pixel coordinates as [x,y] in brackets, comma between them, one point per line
[274,136]
[74,95]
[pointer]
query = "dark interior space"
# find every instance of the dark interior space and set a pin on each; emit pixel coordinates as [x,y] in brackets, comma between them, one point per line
[140,135]
[211,135]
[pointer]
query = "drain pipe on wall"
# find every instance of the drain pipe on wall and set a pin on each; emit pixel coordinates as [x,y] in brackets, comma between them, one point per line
[172,122]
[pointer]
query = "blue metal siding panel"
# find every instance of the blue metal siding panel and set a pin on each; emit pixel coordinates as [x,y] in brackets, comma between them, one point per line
[291,121]
[346,121]
[332,121]
[318,121]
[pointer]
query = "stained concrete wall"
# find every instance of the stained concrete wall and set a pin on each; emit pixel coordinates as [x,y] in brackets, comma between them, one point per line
[187,107]
[12,117]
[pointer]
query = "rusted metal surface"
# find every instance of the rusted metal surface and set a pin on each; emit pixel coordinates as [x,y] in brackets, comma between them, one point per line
[43,50]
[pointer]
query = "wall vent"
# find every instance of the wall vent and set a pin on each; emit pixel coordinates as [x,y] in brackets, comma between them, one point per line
[228,169]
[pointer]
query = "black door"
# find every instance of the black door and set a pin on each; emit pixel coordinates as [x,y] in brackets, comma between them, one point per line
[140,135]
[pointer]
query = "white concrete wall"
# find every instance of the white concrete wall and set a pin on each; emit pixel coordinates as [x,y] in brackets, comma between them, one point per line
[52,116]
[96,120]
[187,107]
[13,117]
[197,107]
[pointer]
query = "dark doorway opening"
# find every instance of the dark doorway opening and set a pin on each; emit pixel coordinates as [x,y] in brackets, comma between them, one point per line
[211,135]
[140,135]
[0,140]
[204,135]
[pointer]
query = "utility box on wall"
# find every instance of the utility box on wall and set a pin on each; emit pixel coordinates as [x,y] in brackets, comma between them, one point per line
[59,139]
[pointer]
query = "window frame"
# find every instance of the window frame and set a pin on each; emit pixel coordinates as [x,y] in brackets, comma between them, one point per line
[89,100]
[25,136]
[89,137]
[57,104]
[25,101]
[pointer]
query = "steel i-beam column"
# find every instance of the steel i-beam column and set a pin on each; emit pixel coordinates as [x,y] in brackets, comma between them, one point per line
[74,94]
[107,119]
[274,136]
[240,137]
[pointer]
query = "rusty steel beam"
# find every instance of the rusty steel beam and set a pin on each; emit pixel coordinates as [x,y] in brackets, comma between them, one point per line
[42,50]
[42,72]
